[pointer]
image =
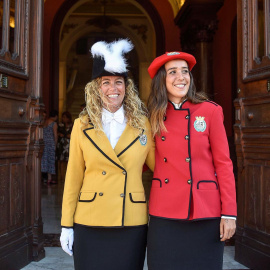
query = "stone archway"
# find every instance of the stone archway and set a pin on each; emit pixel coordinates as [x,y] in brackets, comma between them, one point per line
[157,47]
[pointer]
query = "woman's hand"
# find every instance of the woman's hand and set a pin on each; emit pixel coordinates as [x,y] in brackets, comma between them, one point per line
[67,239]
[227,228]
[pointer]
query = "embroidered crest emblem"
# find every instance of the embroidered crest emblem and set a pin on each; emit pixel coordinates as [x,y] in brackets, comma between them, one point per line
[200,124]
[172,53]
[143,139]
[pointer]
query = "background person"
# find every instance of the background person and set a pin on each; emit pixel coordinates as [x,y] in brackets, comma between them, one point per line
[50,139]
[62,150]
[104,204]
[192,200]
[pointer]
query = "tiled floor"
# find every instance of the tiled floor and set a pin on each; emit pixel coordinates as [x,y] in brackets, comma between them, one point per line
[56,258]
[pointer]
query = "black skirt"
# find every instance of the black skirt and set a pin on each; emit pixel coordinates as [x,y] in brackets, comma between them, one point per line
[184,245]
[109,248]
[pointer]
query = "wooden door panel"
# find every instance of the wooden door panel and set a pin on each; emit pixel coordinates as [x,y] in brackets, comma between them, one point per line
[21,229]
[252,134]
[14,59]
[256,58]
[4,195]
[16,193]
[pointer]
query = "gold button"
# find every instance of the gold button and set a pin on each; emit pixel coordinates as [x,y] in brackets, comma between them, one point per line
[124,172]
[187,159]
[165,159]
[103,172]
[166,181]
[163,138]
[187,137]
[100,193]
[187,116]
[122,195]
[189,181]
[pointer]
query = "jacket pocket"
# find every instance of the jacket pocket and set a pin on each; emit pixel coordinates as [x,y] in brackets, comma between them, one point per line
[207,185]
[137,197]
[156,183]
[87,196]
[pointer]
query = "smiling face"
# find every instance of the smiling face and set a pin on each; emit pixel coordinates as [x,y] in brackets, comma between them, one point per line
[177,80]
[112,92]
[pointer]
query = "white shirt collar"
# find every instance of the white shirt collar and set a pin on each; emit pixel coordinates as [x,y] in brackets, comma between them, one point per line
[177,106]
[118,116]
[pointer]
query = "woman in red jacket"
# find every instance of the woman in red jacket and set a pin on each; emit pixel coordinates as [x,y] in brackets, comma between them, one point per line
[192,200]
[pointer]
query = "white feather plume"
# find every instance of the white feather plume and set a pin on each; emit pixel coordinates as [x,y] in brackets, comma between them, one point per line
[112,53]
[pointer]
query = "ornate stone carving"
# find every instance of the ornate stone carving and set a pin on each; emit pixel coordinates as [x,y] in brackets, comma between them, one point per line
[141,30]
[66,29]
[103,22]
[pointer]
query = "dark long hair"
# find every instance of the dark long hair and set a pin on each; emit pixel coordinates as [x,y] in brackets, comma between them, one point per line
[158,100]
[68,115]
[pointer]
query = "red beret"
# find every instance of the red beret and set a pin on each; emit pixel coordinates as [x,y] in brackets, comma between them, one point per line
[168,56]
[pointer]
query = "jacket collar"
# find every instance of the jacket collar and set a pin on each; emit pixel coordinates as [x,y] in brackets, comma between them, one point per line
[172,107]
[102,143]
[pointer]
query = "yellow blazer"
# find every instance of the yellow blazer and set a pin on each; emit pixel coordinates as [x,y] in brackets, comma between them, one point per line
[103,186]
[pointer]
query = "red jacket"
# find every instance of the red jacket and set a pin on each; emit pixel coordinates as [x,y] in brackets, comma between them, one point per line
[193,176]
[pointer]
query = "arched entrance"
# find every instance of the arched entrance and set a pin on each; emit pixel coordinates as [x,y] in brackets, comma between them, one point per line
[86,21]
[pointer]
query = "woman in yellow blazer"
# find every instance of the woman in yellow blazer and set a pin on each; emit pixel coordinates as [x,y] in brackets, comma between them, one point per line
[104,204]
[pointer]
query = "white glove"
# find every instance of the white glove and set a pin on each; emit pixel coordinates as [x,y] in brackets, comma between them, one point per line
[67,239]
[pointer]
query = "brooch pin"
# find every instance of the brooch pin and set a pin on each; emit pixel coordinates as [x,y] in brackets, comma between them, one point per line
[143,139]
[200,124]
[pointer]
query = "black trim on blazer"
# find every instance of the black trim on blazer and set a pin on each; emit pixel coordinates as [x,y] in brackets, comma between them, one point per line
[160,182]
[211,102]
[185,220]
[128,146]
[87,200]
[180,108]
[124,200]
[189,151]
[84,131]
[123,212]
[132,226]
[190,162]
[71,227]
[130,196]
[207,181]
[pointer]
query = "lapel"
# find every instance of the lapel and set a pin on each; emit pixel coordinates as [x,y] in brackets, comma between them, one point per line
[102,143]
[126,140]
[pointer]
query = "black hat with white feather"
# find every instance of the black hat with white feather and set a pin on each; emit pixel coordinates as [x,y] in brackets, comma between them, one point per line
[108,58]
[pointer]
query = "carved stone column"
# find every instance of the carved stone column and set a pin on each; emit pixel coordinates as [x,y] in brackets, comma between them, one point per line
[198,23]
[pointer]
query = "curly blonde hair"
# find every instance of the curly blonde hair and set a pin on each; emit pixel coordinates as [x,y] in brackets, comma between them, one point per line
[135,110]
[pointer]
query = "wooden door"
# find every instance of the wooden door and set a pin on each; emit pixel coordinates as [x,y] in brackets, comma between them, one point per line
[252,134]
[20,132]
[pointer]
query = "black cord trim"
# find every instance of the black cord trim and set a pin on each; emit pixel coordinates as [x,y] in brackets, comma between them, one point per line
[158,180]
[207,181]
[180,105]
[130,196]
[115,227]
[84,131]
[190,163]
[128,146]
[124,200]
[186,220]
[211,102]
[123,212]
[87,200]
